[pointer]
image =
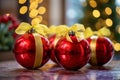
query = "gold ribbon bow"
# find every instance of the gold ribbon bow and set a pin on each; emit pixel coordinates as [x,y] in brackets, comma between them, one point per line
[25,27]
[102,32]
[64,31]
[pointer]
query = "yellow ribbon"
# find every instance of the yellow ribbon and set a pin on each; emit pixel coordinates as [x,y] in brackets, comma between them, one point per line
[52,29]
[102,32]
[25,27]
[93,58]
[39,50]
[57,29]
[64,31]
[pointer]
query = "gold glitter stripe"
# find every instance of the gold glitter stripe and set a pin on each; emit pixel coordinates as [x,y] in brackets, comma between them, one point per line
[93,50]
[39,50]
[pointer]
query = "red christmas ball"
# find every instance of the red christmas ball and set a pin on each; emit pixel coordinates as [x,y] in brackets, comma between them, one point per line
[101,49]
[31,50]
[53,41]
[74,54]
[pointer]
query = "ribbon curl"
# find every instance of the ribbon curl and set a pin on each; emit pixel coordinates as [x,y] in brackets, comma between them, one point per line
[25,27]
[102,32]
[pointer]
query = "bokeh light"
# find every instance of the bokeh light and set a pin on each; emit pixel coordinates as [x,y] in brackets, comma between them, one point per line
[96,13]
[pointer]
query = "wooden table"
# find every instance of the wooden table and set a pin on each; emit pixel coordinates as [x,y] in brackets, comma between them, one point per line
[11,70]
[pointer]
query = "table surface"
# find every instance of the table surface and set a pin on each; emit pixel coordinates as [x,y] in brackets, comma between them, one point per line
[11,70]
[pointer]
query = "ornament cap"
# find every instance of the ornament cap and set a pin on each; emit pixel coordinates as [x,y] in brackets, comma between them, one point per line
[31,30]
[71,33]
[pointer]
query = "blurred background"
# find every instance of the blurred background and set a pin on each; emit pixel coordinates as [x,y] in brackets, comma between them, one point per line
[92,13]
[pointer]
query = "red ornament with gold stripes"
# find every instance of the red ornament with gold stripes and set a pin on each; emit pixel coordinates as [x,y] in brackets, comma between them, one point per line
[72,53]
[31,50]
[101,49]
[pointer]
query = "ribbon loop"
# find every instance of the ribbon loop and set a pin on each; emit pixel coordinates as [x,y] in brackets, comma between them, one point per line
[52,29]
[23,28]
[41,29]
[78,28]
[62,30]
[26,27]
[101,32]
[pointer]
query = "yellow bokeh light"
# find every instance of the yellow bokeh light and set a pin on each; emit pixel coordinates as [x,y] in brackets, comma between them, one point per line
[109,22]
[35,21]
[96,13]
[33,5]
[22,1]
[23,10]
[40,18]
[108,10]
[93,3]
[33,13]
[117,46]
[42,10]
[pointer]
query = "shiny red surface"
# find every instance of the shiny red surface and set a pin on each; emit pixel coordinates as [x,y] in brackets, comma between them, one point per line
[52,48]
[24,50]
[72,55]
[104,50]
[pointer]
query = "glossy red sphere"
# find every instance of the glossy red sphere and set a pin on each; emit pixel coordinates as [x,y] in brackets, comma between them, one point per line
[103,50]
[72,55]
[53,42]
[25,50]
